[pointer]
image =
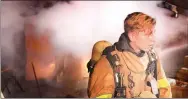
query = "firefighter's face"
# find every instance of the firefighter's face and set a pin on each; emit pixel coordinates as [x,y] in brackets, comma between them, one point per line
[144,40]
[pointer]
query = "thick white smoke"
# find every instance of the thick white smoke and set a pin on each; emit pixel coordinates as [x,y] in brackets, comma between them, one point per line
[13,16]
[12,34]
[77,26]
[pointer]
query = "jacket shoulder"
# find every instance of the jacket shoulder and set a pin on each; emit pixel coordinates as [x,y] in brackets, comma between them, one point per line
[103,66]
[101,81]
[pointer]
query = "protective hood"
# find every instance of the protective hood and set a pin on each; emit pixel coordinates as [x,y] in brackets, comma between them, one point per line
[123,45]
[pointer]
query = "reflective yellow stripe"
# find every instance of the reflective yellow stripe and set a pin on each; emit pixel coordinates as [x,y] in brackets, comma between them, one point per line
[105,96]
[163,83]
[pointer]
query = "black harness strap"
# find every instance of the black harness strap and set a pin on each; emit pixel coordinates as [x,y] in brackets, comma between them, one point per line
[152,69]
[90,66]
[110,59]
[114,60]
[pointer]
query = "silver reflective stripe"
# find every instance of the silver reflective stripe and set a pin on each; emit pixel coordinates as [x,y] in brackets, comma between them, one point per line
[154,86]
[116,75]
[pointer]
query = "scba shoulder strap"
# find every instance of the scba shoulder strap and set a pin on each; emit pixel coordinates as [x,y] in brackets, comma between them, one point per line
[118,77]
[152,69]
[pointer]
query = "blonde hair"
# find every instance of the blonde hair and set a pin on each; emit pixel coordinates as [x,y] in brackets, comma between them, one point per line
[138,21]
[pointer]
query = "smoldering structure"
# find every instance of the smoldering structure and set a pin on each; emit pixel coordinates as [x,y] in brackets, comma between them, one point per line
[47,44]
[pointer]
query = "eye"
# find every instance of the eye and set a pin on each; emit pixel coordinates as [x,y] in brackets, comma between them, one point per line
[149,35]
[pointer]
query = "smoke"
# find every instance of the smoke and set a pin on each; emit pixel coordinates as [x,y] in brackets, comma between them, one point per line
[13,18]
[77,26]
[12,36]
[173,59]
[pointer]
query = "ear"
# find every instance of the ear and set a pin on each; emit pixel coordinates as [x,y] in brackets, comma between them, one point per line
[132,36]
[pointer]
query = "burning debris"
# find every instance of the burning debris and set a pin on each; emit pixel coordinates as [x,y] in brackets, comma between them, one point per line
[180,83]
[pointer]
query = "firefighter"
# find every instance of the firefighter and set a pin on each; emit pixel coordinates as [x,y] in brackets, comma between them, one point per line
[130,67]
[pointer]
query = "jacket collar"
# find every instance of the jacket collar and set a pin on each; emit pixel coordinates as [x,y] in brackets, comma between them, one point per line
[123,45]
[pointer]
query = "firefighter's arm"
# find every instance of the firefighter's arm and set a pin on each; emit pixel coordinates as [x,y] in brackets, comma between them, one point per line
[101,84]
[163,84]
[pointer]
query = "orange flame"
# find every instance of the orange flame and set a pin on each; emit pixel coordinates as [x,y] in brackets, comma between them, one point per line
[40,53]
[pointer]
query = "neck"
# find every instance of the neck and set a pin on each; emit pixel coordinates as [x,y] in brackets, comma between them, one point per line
[134,47]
